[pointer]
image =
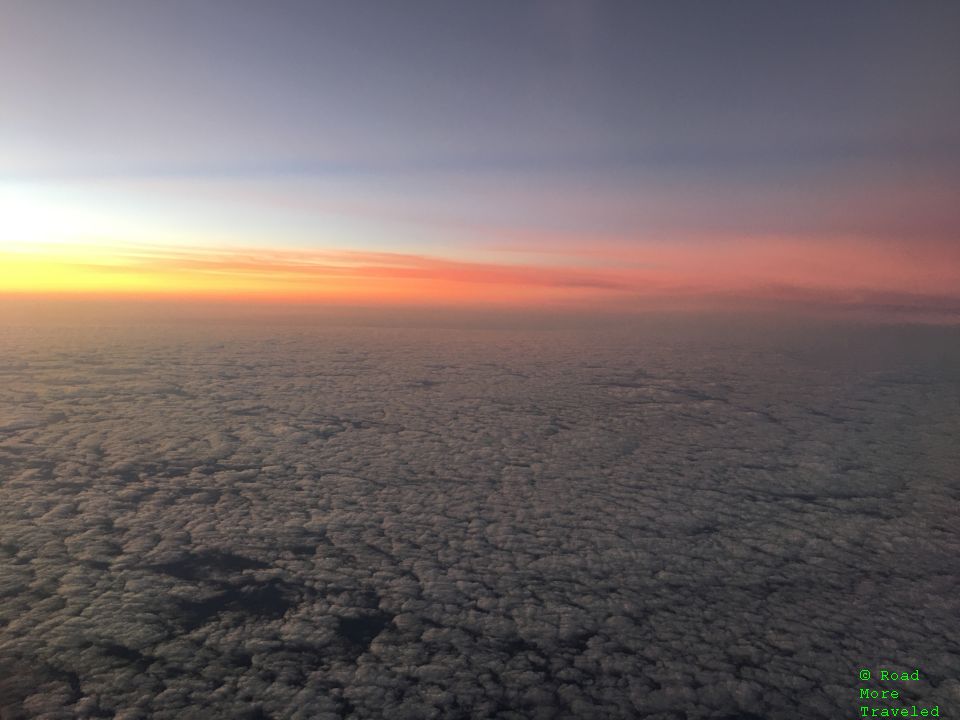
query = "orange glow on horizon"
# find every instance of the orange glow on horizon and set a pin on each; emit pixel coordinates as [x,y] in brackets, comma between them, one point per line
[624,278]
[296,276]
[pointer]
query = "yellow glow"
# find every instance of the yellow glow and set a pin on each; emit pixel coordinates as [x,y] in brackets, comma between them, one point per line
[45,245]
[90,269]
[332,275]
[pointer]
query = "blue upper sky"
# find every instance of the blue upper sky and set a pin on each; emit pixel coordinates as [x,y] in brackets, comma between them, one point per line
[219,88]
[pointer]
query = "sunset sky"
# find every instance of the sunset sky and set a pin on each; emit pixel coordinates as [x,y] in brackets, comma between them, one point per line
[557,154]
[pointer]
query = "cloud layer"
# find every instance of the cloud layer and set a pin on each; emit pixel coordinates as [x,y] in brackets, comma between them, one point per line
[425,524]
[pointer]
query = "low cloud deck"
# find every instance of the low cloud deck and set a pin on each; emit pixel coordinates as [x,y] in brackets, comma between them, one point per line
[440,524]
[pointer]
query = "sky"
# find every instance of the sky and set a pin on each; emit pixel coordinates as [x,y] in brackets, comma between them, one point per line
[570,155]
